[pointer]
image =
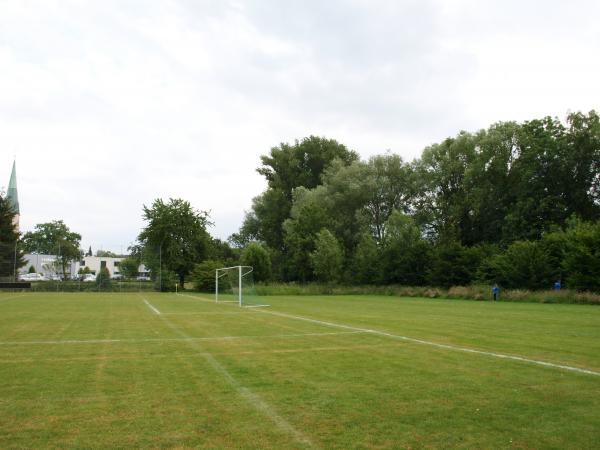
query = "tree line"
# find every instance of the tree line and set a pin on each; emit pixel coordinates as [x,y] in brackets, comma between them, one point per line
[517,204]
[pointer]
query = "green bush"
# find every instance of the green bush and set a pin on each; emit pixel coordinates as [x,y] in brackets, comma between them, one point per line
[166,281]
[524,264]
[452,264]
[203,275]
[472,292]
[582,257]
[256,256]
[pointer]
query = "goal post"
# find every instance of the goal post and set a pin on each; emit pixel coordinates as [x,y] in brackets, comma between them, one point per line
[236,285]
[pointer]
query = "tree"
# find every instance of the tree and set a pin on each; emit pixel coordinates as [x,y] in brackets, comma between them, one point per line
[287,168]
[54,238]
[221,251]
[389,185]
[11,255]
[203,275]
[258,257]
[174,239]
[290,166]
[327,258]
[581,262]
[308,216]
[106,254]
[366,262]
[103,280]
[452,264]
[443,199]
[405,252]
[524,264]
[129,267]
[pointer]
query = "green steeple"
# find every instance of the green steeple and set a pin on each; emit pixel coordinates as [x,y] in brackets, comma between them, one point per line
[12,195]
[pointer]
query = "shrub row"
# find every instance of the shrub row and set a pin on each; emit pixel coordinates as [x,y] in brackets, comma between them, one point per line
[456,292]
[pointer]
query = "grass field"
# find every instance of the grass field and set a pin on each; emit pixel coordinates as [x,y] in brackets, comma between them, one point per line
[85,370]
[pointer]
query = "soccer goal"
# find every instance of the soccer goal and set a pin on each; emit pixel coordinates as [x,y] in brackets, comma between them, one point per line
[236,285]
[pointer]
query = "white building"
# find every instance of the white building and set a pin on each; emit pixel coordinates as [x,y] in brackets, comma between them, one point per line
[96,263]
[42,264]
[47,265]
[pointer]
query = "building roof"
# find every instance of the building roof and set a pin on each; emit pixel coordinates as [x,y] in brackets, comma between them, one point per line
[12,194]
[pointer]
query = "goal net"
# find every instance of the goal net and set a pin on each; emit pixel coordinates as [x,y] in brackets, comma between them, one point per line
[236,285]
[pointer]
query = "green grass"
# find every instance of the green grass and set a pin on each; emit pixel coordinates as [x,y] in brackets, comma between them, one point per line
[93,370]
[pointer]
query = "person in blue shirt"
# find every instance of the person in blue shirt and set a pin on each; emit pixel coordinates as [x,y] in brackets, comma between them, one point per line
[557,285]
[495,291]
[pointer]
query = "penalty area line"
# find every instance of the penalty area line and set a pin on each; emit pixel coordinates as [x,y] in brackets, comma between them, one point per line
[196,297]
[253,398]
[154,310]
[438,345]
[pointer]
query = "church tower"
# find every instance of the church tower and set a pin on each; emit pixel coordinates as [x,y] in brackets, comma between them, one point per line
[12,194]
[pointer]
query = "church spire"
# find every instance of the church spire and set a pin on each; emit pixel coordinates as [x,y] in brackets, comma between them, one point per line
[12,194]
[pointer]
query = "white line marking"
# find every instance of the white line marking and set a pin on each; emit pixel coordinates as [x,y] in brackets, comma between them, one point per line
[222,301]
[435,344]
[215,338]
[156,311]
[204,313]
[203,299]
[251,397]
[430,343]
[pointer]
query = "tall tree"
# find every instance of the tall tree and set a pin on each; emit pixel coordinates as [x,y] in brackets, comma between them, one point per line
[286,168]
[444,200]
[308,216]
[174,239]
[54,238]
[11,256]
[583,161]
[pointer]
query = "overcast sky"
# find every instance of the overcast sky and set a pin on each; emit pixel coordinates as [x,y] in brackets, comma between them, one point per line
[111,104]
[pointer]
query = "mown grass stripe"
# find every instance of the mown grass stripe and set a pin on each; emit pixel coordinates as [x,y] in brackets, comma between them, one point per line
[438,345]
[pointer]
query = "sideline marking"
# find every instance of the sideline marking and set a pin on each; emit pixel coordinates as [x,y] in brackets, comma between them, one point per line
[430,343]
[435,344]
[186,339]
[156,311]
[251,397]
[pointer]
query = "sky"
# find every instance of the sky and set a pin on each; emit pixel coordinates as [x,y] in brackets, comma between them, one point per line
[108,105]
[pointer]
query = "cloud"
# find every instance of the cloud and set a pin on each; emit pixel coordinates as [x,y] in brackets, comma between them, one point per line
[109,105]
